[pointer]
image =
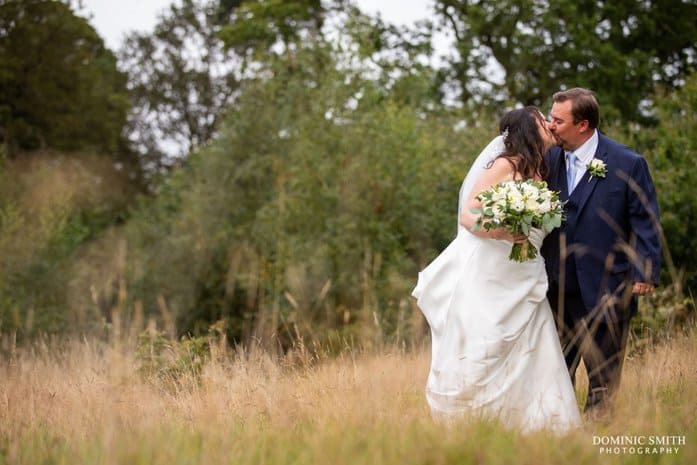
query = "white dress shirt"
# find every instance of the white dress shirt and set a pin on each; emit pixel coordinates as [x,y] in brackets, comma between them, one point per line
[584,154]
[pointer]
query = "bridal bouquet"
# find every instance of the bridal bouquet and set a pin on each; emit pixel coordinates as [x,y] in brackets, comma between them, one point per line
[519,206]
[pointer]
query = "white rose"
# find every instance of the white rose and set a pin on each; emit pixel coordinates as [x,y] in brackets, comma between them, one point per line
[530,190]
[518,204]
[531,204]
[499,213]
[513,195]
[499,204]
[545,206]
[499,195]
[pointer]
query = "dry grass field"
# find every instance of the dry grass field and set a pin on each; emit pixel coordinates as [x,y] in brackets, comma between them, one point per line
[88,402]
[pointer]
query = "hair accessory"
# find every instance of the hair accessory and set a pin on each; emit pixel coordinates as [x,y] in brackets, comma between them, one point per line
[505,133]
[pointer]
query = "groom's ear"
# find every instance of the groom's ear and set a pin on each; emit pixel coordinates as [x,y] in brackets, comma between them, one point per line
[584,126]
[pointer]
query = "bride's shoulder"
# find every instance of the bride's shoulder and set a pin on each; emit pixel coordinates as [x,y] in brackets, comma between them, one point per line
[502,166]
[498,170]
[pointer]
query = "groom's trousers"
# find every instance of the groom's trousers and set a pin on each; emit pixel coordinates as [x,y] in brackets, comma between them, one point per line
[597,336]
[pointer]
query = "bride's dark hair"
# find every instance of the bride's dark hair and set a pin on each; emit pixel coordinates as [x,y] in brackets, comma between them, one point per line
[525,148]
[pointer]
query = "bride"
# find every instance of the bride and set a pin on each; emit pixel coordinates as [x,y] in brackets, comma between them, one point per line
[495,349]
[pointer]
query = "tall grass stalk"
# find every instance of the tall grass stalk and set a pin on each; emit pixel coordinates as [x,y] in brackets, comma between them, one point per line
[88,402]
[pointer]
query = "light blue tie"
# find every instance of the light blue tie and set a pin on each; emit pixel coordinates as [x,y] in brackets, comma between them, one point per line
[570,170]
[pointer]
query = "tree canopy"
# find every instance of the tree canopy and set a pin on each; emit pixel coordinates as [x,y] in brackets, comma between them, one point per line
[257,25]
[521,51]
[181,80]
[323,153]
[59,86]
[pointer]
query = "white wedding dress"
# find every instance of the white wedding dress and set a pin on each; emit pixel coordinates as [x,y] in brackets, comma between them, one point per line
[495,349]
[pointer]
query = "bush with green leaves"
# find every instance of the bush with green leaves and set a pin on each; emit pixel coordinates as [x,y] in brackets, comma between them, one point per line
[51,206]
[316,206]
[671,150]
[170,363]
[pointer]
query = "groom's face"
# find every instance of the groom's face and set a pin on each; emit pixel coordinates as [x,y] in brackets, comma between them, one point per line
[569,135]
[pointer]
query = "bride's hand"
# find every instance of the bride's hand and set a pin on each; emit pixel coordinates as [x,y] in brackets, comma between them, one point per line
[502,234]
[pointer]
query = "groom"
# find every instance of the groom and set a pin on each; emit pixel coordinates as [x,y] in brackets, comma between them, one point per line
[607,252]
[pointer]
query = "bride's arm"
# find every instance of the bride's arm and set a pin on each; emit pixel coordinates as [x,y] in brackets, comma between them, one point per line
[500,171]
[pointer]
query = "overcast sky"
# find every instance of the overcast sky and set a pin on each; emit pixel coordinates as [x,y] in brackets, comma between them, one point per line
[113,18]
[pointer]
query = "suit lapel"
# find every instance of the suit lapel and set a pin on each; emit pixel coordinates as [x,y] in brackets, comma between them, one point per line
[587,184]
[558,175]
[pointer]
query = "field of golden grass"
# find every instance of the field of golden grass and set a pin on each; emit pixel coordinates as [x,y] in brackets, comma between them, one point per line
[88,402]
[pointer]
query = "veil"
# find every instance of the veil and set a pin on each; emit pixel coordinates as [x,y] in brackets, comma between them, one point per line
[490,152]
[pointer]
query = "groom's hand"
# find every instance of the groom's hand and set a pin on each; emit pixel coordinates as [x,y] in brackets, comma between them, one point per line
[642,288]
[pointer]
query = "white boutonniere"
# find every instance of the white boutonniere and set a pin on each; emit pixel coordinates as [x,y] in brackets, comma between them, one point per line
[596,168]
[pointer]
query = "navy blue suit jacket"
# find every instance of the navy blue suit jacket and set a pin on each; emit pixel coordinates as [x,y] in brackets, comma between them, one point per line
[613,216]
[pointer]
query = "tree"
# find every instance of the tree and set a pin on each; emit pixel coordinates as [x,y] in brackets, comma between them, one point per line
[59,85]
[399,56]
[255,26]
[523,50]
[181,80]
[671,148]
[313,207]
